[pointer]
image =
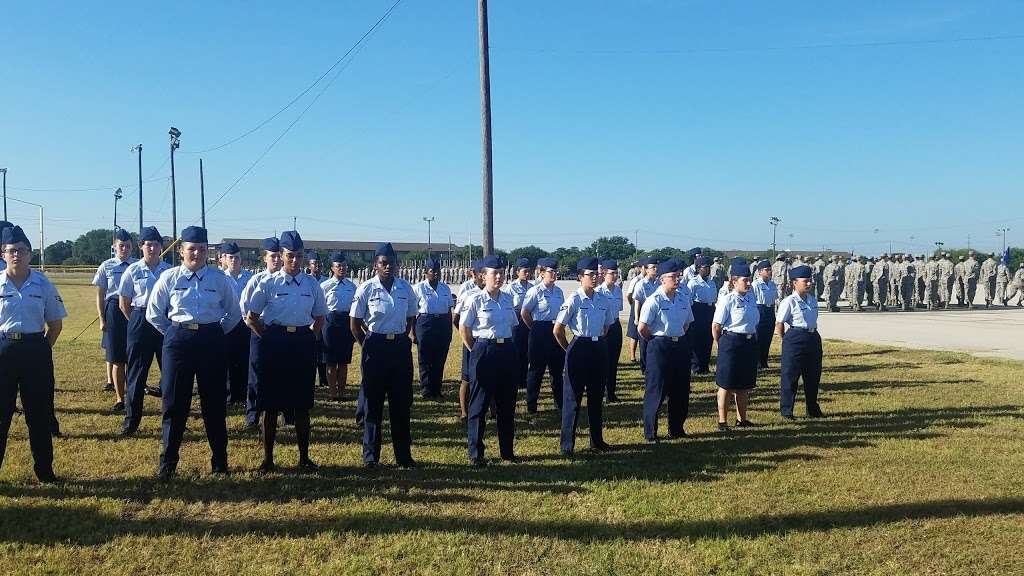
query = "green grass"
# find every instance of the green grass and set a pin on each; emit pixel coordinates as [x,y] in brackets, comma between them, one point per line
[917,470]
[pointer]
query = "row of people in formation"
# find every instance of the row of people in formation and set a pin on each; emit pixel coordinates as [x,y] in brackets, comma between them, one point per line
[185,316]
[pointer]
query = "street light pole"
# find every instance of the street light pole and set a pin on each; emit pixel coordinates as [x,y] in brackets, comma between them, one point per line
[774,221]
[42,235]
[117,196]
[4,172]
[1003,231]
[202,193]
[175,135]
[485,122]
[138,148]
[428,221]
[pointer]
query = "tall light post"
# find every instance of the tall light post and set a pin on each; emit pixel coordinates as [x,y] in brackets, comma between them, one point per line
[4,172]
[138,148]
[938,246]
[428,221]
[175,135]
[1002,232]
[117,196]
[485,123]
[774,221]
[42,235]
[202,193]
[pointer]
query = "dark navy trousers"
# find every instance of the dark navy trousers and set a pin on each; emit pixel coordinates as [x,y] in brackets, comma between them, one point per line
[611,375]
[26,366]
[238,362]
[252,415]
[521,336]
[545,354]
[144,343]
[387,375]
[667,377]
[586,362]
[701,338]
[801,358]
[194,355]
[433,338]
[765,332]
[494,375]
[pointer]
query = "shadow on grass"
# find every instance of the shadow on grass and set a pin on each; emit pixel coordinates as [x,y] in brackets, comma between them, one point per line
[80,525]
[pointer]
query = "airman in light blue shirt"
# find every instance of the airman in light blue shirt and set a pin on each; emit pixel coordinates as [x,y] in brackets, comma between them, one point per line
[489,317]
[27,310]
[201,297]
[431,300]
[339,294]
[288,300]
[737,313]
[702,290]
[586,316]
[799,312]
[108,275]
[543,302]
[666,316]
[382,311]
[138,281]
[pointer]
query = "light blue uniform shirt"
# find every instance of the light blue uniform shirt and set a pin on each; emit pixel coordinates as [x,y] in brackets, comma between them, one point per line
[204,296]
[702,290]
[240,281]
[643,288]
[488,317]
[765,293]
[667,316]
[463,300]
[339,294]
[29,309]
[543,303]
[138,280]
[518,291]
[431,301]
[287,300]
[319,279]
[586,316]
[614,296]
[470,283]
[108,275]
[384,312]
[246,295]
[737,313]
[799,312]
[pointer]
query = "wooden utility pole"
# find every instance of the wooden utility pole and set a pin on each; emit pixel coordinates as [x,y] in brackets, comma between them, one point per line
[485,122]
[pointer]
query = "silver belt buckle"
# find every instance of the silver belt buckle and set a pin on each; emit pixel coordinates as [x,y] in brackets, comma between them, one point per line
[390,337]
[675,338]
[748,336]
[193,326]
[289,328]
[14,336]
[499,340]
[595,338]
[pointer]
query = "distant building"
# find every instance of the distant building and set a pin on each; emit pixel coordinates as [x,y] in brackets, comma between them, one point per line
[249,249]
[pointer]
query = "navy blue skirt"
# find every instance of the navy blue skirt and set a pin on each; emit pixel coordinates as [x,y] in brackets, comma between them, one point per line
[336,347]
[631,329]
[115,337]
[286,369]
[737,361]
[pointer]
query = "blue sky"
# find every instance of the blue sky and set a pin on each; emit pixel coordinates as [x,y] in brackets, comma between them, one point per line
[689,122]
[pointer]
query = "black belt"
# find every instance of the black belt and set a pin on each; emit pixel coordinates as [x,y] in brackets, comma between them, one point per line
[288,329]
[589,338]
[19,336]
[387,336]
[747,336]
[445,315]
[193,325]
[493,340]
[671,338]
[811,330]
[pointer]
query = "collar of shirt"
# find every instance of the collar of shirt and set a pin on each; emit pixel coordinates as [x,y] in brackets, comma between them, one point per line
[189,275]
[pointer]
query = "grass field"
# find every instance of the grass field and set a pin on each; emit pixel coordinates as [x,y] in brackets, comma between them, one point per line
[917,470]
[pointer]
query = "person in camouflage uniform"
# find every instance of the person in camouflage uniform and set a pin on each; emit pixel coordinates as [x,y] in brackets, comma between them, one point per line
[908,283]
[855,283]
[919,287]
[780,275]
[896,281]
[971,278]
[958,282]
[1017,286]
[945,280]
[931,282]
[834,277]
[988,278]
[818,269]
[879,279]
[718,273]
[1002,282]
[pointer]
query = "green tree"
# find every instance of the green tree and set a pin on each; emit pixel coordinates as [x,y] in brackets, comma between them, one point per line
[58,252]
[615,247]
[531,253]
[93,247]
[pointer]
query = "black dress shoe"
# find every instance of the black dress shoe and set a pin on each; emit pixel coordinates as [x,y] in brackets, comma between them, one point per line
[723,426]
[127,431]
[567,454]
[478,462]
[601,446]
[155,392]
[369,465]
[409,464]
[118,408]
[789,417]
[265,468]
[47,477]
[165,474]
[308,465]
[220,471]
[682,434]
[744,424]
[612,399]
[108,387]
[511,459]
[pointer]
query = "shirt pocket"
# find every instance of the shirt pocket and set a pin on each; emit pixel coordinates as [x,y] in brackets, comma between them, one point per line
[380,306]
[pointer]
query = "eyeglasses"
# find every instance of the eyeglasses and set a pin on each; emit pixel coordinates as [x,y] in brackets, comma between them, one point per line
[15,251]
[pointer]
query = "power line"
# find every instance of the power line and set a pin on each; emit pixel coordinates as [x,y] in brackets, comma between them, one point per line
[300,94]
[353,51]
[682,51]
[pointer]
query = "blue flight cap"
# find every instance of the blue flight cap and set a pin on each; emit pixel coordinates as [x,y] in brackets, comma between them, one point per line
[763,265]
[800,272]
[271,244]
[677,262]
[385,249]
[495,262]
[547,262]
[739,267]
[311,255]
[693,251]
[475,265]
[700,262]
[194,234]
[610,264]
[647,260]
[151,234]
[14,235]
[432,264]
[5,224]
[587,263]
[291,241]
[668,266]
[122,235]
[229,248]
[522,263]
[338,256]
